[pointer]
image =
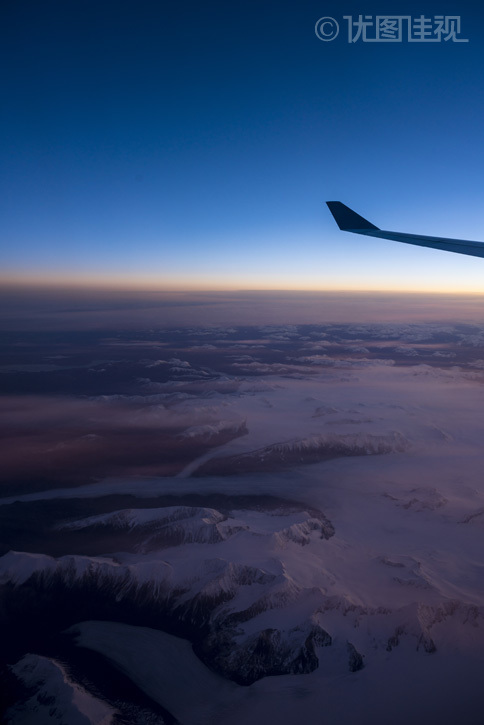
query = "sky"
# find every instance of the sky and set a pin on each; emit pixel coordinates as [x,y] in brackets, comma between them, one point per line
[191,146]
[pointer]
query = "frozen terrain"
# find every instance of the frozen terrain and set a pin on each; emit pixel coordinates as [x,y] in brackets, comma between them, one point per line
[315,554]
[55,698]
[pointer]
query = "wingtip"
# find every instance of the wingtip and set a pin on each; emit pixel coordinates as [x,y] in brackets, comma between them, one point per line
[346,218]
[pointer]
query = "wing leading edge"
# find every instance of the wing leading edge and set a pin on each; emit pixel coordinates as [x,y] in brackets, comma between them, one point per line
[350,221]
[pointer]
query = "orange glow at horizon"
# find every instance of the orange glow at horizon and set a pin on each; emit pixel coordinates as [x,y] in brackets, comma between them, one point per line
[189,283]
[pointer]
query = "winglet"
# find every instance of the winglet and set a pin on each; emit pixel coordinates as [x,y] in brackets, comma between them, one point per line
[346,218]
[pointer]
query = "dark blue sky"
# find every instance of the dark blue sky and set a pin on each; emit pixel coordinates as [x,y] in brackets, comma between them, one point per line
[193,145]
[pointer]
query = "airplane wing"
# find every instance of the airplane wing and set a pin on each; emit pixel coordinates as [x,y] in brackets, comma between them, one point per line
[350,221]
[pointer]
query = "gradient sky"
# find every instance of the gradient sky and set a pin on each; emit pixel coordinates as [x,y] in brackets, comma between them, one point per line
[192,145]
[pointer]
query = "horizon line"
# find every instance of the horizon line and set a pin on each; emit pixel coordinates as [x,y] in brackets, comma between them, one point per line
[41,285]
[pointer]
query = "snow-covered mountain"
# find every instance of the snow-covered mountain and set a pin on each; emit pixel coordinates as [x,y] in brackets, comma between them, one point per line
[50,694]
[257,591]
[312,449]
[200,580]
[52,697]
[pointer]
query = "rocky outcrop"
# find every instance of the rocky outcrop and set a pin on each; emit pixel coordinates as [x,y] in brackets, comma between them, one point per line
[267,652]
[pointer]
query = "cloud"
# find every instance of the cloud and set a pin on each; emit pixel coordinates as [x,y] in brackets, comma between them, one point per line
[63,309]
